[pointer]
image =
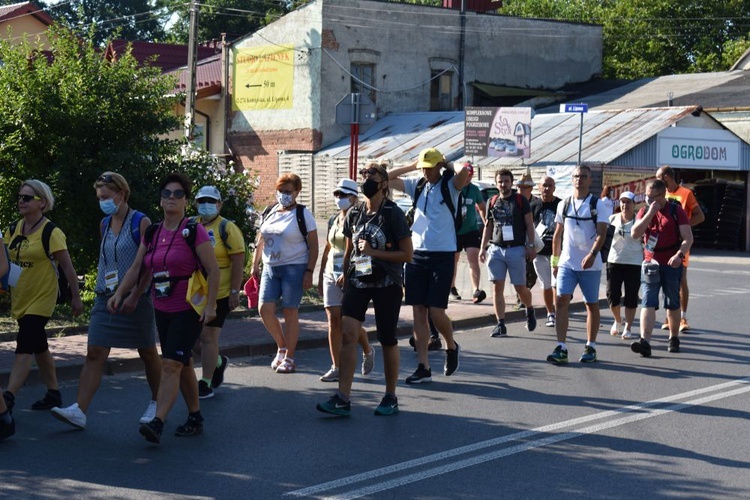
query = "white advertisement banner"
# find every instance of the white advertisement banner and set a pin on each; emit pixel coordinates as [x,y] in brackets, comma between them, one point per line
[698,148]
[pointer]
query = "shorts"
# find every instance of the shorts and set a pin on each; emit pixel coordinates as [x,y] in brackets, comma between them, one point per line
[472,239]
[588,281]
[428,278]
[387,304]
[32,337]
[178,332]
[222,311]
[669,283]
[282,281]
[510,260]
[332,293]
[543,269]
[630,276]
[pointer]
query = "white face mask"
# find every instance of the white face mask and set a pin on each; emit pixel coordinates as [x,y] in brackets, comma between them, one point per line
[285,200]
[344,203]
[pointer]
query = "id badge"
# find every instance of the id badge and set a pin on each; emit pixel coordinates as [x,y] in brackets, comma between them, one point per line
[420,224]
[362,265]
[619,245]
[578,236]
[507,233]
[540,229]
[111,281]
[162,285]
[651,243]
[338,266]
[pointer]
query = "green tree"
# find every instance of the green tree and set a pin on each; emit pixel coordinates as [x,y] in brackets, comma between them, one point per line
[645,38]
[67,117]
[127,19]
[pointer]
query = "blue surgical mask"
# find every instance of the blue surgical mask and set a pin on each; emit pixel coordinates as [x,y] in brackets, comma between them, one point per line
[108,206]
[207,209]
[285,200]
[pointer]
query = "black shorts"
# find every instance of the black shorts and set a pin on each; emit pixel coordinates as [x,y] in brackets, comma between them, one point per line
[178,332]
[32,337]
[222,311]
[387,304]
[472,239]
[428,278]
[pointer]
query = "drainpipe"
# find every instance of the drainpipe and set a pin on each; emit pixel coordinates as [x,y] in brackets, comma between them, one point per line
[461,56]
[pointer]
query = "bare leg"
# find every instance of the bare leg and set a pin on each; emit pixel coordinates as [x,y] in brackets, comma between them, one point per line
[549,300]
[91,375]
[364,341]
[422,334]
[189,387]
[674,322]
[525,295]
[684,293]
[209,350]
[648,316]
[272,323]
[46,364]
[171,371]
[472,254]
[562,317]
[593,317]
[390,365]
[498,298]
[348,356]
[616,314]
[443,325]
[20,372]
[455,269]
[152,367]
[630,317]
[334,333]
[291,324]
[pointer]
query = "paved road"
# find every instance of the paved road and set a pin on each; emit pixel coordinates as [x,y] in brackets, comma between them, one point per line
[506,425]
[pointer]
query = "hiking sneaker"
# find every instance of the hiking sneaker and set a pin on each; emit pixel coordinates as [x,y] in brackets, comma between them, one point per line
[204,390]
[7,429]
[500,330]
[627,334]
[368,361]
[421,375]
[218,377]
[192,427]
[335,406]
[435,344]
[451,360]
[454,294]
[550,320]
[530,319]
[10,401]
[388,405]
[71,415]
[479,296]
[684,325]
[152,430]
[674,344]
[413,342]
[589,355]
[559,356]
[149,414]
[51,399]
[642,347]
[332,375]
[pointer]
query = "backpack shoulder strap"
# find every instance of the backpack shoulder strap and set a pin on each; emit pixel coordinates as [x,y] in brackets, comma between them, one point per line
[135,226]
[519,201]
[421,183]
[46,236]
[148,236]
[104,225]
[592,208]
[300,214]
[223,233]
[566,206]
[493,200]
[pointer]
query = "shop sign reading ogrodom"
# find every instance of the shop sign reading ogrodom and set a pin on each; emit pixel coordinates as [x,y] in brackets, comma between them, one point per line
[699,148]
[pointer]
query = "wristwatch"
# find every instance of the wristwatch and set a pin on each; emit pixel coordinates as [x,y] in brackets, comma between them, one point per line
[529,245]
[234,292]
[681,255]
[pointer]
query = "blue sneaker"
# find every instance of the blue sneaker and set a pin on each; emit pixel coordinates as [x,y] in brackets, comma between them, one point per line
[388,405]
[589,355]
[559,356]
[336,406]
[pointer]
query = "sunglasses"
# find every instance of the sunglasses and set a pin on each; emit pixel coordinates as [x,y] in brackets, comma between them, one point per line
[339,194]
[107,179]
[206,200]
[580,176]
[369,171]
[178,193]
[27,197]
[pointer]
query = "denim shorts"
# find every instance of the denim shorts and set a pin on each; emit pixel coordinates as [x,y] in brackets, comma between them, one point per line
[669,283]
[588,281]
[282,281]
[511,260]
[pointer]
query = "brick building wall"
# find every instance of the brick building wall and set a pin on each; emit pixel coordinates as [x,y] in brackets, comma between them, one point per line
[258,152]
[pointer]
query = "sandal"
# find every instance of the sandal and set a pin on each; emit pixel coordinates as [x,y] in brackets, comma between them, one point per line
[280,355]
[287,366]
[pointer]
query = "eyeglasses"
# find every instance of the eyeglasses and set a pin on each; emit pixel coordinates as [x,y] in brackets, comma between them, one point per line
[580,176]
[28,197]
[107,179]
[178,193]
[206,200]
[369,171]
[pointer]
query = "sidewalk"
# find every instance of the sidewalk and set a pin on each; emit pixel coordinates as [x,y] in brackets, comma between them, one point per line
[248,337]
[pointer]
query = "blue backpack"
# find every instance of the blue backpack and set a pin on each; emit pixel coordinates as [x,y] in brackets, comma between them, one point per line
[135,226]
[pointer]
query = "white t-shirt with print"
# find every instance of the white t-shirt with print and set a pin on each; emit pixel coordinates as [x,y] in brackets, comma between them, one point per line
[283,242]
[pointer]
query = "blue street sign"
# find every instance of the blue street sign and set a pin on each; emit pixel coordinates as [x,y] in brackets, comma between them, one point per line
[574,108]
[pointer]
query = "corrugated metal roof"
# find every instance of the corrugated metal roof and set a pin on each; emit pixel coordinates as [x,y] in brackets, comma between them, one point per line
[554,141]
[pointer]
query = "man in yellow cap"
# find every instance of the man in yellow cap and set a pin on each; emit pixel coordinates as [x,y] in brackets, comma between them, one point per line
[428,277]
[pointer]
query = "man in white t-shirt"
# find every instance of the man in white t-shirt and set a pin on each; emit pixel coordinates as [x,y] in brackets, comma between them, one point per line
[575,261]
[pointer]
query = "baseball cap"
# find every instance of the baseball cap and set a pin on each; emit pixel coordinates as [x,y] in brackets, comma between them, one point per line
[346,186]
[429,158]
[209,192]
[628,195]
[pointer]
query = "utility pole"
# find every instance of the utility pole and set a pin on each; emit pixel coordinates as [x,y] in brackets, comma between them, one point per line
[461,57]
[191,67]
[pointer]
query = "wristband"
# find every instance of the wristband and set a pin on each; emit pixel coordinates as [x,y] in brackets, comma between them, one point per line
[554,260]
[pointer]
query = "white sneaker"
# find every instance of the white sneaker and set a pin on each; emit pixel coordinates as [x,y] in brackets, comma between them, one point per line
[331,375]
[71,415]
[149,414]
[368,361]
[627,334]
[614,331]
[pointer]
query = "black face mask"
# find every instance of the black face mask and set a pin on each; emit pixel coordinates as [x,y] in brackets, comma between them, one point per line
[370,187]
